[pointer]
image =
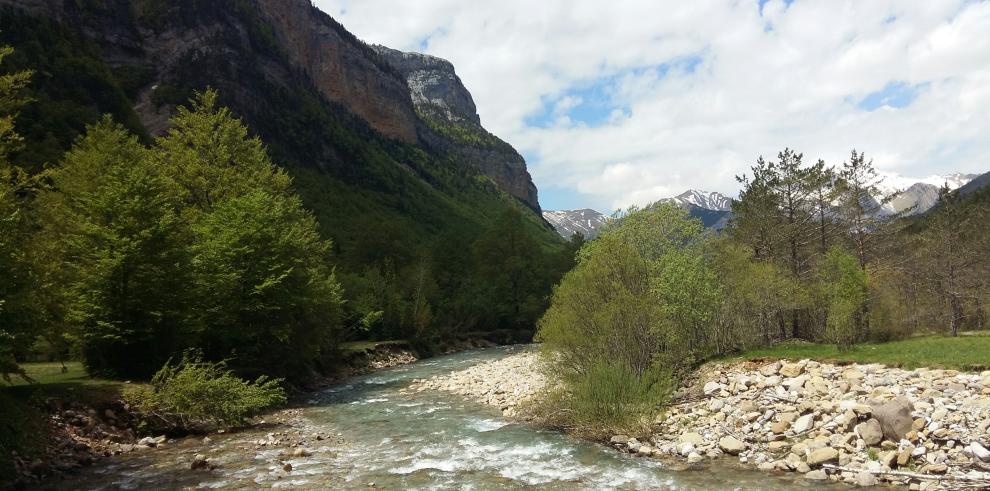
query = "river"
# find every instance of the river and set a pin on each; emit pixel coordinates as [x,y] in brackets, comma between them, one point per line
[384,439]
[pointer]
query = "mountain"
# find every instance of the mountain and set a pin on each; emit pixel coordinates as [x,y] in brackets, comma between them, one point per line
[702,199]
[568,222]
[916,196]
[713,209]
[446,106]
[385,148]
[976,184]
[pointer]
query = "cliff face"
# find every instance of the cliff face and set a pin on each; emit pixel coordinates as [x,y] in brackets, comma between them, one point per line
[255,51]
[340,66]
[446,106]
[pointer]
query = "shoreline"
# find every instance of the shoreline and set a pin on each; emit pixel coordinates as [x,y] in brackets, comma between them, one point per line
[83,433]
[862,424]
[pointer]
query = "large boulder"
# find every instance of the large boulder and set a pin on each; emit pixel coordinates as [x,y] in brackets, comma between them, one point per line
[894,417]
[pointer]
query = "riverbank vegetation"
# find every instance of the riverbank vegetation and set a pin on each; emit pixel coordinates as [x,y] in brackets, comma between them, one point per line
[812,254]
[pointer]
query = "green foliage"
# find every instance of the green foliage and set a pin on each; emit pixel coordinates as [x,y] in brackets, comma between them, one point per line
[844,285]
[617,323]
[614,394]
[71,87]
[117,219]
[15,287]
[193,390]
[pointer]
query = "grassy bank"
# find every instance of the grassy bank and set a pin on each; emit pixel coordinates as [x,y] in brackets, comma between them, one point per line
[970,351]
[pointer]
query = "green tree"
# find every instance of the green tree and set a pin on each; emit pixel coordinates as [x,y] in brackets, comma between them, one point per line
[510,265]
[844,286]
[117,219]
[260,268]
[622,307]
[13,226]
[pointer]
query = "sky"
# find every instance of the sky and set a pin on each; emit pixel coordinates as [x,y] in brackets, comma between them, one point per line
[623,102]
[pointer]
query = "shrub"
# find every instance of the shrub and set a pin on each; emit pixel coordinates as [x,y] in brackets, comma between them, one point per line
[193,391]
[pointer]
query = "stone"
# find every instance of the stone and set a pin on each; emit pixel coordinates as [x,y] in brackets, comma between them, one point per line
[779,427]
[888,459]
[287,467]
[853,374]
[731,445]
[979,452]
[301,452]
[816,475]
[778,446]
[770,369]
[866,479]
[711,388]
[895,417]
[685,449]
[694,458]
[791,369]
[870,432]
[767,466]
[199,462]
[826,455]
[619,440]
[691,437]
[789,417]
[935,469]
[804,423]
[749,407]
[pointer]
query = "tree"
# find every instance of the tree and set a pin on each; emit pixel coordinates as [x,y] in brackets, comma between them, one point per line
[861,205]
[950,251]
[117,218]
[260,268]
[821,186]
[15,330]
[631,314]
[844,285]
[509,263]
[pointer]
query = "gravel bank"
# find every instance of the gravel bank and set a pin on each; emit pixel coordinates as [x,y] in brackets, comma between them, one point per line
[862,424]
[505,383]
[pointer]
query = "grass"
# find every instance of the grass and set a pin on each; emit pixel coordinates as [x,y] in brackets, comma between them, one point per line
[969,352]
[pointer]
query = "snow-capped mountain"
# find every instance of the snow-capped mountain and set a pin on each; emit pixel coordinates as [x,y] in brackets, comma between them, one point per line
[712,208]
[568,222]
[918,195]
[702,199]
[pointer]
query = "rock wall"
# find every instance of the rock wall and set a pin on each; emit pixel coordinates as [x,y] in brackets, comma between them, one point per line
[447,107]
[340,66]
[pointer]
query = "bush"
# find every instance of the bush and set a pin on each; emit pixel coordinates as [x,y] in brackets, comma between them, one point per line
[619,329]
[193,391]
[614,393]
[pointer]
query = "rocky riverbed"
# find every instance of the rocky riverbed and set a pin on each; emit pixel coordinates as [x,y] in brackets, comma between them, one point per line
[505,383]
[862,424]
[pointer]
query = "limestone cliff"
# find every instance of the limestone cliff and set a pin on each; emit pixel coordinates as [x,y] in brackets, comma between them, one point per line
[446,106]
[260,54]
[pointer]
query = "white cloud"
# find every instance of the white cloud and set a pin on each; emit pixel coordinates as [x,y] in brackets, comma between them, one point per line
[793,77]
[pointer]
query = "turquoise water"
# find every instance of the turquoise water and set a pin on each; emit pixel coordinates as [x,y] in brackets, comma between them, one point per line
[384,439]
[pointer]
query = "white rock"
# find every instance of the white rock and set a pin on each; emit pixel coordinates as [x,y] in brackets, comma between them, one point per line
[804,423]
[979,451]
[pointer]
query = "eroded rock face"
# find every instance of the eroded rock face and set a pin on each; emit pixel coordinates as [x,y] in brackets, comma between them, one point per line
[433,84]
[453,125]
[341,68]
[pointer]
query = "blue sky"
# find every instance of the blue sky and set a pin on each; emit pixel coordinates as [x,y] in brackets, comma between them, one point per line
[629,101]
